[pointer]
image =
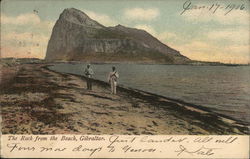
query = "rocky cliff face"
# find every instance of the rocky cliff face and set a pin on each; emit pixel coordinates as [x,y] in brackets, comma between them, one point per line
[77,37]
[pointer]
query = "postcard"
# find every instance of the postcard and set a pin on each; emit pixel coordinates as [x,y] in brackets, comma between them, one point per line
[125,79]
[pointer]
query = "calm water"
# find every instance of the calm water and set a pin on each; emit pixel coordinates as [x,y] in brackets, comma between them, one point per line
[223,89]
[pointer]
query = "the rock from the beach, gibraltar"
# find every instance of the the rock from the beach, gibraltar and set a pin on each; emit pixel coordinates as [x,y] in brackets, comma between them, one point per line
[77,37]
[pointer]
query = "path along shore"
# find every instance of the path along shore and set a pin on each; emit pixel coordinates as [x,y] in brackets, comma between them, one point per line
[36,100]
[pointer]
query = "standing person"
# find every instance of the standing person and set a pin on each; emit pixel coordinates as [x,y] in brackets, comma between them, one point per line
[113,77]
[89,73]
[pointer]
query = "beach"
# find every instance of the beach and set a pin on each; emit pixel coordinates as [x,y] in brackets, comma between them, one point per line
[36,100]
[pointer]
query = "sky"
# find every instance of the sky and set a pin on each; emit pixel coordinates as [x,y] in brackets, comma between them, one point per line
[206,30]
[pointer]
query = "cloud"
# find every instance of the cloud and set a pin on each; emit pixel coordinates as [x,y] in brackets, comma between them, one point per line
[25,35]
[23,19]
[102,18]
[233,35]
[206,51]
[141,14]
[238,53]
[28,20]
[234,17]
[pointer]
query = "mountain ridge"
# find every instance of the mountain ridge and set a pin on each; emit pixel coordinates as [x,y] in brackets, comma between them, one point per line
[77,37]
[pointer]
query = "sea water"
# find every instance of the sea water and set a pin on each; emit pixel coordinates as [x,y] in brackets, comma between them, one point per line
[222,89]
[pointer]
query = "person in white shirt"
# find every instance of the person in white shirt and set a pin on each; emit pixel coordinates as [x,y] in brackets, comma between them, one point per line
[112,78]
[89,73]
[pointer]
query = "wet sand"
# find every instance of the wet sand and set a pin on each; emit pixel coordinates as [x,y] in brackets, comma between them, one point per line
[36,100]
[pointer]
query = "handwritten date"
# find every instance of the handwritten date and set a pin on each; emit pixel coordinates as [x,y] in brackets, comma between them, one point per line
[213,8]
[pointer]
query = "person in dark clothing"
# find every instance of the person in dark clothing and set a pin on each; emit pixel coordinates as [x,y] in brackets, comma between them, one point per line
[89,73]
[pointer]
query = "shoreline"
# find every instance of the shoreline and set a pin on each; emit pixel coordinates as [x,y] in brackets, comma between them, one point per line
[179,101]
[190,106]
[62,105]
[150,63]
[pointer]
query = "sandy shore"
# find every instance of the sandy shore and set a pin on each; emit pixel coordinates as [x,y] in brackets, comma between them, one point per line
[35,100]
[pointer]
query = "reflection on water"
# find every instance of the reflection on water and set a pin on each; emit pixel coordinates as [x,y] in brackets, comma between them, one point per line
[223,89]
